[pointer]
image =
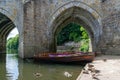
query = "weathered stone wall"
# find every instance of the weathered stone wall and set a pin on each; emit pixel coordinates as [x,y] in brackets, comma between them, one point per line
[110,41]
[40,20]
[43,19]
[14,11]
[29,30]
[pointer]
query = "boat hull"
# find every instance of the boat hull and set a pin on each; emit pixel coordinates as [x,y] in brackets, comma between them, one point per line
[65,57]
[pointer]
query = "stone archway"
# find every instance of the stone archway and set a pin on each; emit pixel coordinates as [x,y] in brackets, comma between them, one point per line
[82,15]
[79,22]
[6,25]
[13,11]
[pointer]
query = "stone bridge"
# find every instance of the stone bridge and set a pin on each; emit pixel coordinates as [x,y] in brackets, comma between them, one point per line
[39,22]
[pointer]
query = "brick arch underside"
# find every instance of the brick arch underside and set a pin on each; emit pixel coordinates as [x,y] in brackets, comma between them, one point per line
[81,16]
[6,25]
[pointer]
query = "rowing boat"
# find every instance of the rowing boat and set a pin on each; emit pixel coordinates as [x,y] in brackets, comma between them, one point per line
[65,56]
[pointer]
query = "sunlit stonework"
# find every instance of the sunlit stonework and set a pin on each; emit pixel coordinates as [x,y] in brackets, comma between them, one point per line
[39,21]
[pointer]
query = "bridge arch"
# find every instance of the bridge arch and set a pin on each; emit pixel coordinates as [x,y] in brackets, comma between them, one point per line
[80,13]
[12,16]
[6,25]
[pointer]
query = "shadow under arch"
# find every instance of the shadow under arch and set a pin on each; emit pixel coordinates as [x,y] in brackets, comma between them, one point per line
[80,16]
[6,25]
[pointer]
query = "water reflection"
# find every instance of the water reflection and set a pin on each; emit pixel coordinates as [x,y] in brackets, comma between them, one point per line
[2,67]
[12,71]
[17,69]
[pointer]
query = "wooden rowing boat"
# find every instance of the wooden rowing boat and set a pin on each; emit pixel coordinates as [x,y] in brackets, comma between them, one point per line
[65,56]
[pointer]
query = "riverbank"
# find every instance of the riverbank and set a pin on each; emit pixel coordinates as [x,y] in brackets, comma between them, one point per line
[104,67]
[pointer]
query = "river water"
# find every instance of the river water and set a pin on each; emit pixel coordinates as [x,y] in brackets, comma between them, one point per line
[14,68]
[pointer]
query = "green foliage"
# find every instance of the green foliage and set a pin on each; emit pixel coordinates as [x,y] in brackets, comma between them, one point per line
[84,45]
[84,40]
[12,43]
[84,33]
[76,33]
[69,33]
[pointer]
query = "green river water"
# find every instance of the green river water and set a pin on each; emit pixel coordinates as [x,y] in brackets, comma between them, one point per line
[13,68]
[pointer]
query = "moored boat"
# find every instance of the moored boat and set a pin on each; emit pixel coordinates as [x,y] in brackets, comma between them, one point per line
[65,56]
